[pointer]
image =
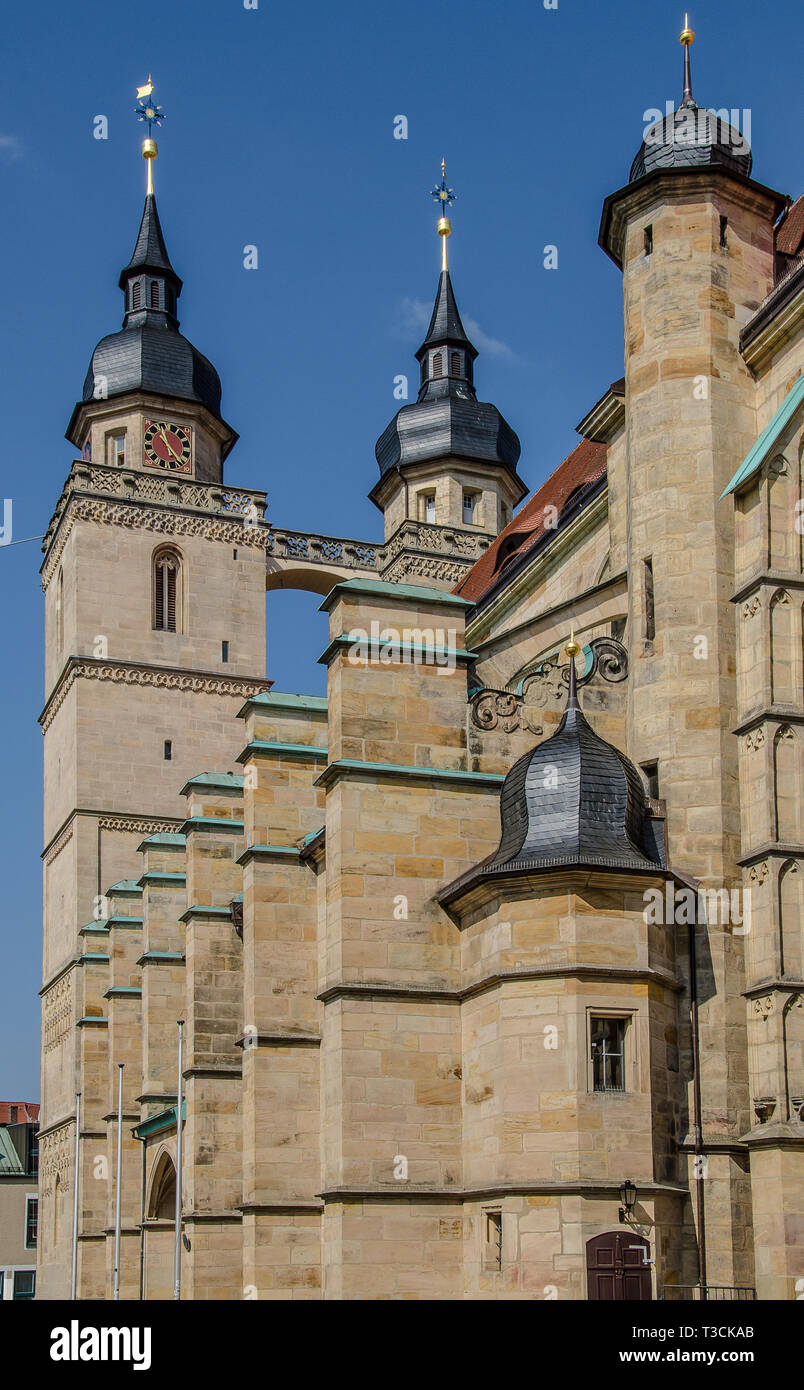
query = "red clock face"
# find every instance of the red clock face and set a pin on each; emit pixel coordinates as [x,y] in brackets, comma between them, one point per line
[168,446]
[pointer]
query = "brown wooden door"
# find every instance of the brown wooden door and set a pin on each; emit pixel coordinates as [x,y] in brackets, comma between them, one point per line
[614,1270]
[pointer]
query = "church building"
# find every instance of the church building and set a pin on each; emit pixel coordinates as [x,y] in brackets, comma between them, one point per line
[490,964]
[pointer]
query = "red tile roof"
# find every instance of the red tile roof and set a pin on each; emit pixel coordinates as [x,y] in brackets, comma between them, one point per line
[27,1112]
[790,233]
[584,465]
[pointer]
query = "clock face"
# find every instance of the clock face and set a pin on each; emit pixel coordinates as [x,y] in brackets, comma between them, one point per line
[168,446]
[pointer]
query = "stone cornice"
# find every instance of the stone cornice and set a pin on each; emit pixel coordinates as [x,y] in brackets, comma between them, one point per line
[772,714]
[129,822]
[145,673]
[766,578]
[443,995]
[406,1191]
[354,767]
[775,321]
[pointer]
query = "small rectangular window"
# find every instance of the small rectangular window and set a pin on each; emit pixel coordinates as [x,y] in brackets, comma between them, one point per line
[234,554]
[427,505]
[224,651]
[168,750]
[648,240]
[493,1240]
[116,450]
[650,613]
[469,508]
[651,771]
[724,222]
[31,1222]
[608,1054]
[24,1283]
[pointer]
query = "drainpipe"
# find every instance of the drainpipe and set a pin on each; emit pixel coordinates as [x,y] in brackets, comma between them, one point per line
[696,1101]
[142,1215]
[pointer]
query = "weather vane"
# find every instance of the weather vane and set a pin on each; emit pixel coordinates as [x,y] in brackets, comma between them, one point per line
[147,110]
[444,196]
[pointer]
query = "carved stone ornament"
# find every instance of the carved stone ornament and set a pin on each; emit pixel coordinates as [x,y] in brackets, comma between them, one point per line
[755,740]
[764,1007]
[751,607]
[764,1107]
[543,687]
[496,709]
[759,872]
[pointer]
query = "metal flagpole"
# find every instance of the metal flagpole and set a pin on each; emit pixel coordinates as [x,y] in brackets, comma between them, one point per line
[120,1066]
[75,1196]
[177,1242]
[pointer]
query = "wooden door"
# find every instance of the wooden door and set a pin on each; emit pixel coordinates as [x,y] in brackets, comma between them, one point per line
[615,1267]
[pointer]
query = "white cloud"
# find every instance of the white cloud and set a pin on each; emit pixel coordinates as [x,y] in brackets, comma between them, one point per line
[413,316]
[10,148]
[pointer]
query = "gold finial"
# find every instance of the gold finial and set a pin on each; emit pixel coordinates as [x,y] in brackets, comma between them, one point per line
[443,196]
[148,111]
[687,35]
[572,649]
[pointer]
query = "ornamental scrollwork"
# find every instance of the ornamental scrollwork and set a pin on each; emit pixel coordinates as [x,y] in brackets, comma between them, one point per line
[496,709]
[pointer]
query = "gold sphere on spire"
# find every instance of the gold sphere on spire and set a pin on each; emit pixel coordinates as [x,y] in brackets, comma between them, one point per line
[687,35]
[572,649]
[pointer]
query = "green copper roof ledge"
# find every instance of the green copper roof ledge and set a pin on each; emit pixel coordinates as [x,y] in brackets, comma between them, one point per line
[126,888]
[276,700]
[94,929]
[162,841]
[163,1120]
[346,766]
[162,876]
[283,750]
[123,992]
[757,455]
[268,852]
[215,781]
[409,653]
[402,593]
[213,823]
[205,910]
[135,922]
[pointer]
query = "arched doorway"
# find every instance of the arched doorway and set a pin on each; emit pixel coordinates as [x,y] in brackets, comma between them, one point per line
[616,1268]
[162,1204]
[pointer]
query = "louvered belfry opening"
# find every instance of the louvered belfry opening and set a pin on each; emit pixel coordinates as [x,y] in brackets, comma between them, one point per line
[438,367]
[167,594]
[136,295]
[154,294]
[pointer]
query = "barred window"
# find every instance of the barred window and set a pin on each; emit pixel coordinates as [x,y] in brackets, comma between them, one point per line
[608,1053]
[167,591]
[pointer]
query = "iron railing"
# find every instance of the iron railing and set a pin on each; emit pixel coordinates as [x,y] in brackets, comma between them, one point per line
[706,1293]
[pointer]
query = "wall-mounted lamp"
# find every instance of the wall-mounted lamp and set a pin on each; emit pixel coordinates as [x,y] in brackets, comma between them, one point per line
[628,1196]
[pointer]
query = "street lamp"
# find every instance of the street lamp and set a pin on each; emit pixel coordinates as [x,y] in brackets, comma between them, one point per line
[628,1196]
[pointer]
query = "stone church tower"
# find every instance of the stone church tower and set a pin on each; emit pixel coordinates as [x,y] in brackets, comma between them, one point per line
[448,1032]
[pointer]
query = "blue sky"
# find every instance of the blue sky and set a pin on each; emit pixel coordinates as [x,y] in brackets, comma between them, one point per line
[280,135]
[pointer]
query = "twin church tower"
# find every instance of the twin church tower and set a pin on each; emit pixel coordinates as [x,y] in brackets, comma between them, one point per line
[434,1039]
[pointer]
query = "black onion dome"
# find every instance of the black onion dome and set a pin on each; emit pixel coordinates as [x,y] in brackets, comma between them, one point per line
[689,138]
[149,353]
[158,360]
[574,799]
[447,419]
[448,427]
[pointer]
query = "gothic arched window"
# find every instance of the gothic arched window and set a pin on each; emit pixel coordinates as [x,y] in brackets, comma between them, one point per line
[167,591]
[154,294]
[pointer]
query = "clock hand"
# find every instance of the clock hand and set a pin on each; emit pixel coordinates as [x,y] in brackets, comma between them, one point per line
[165,439]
